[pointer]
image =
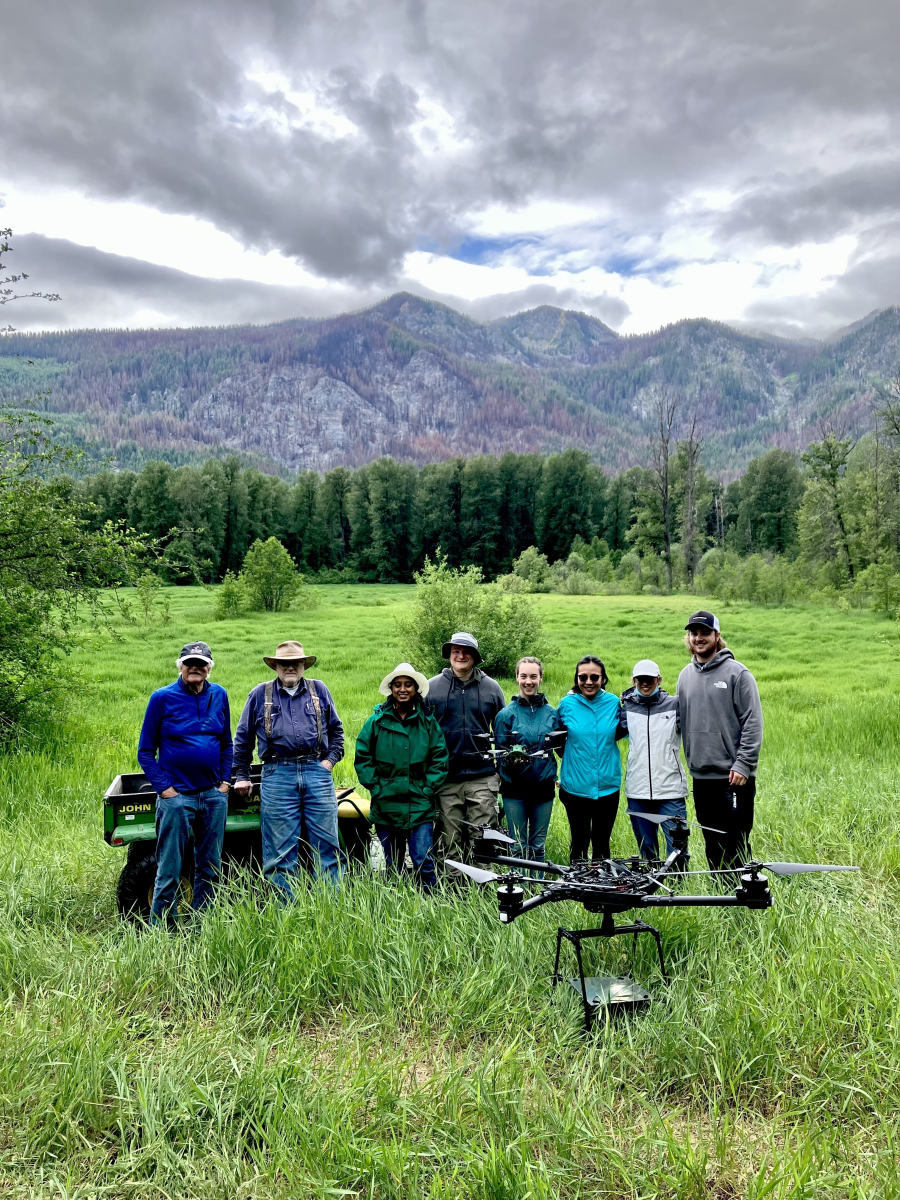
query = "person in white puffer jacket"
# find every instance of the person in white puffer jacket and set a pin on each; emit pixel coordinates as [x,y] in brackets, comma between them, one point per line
[655,781]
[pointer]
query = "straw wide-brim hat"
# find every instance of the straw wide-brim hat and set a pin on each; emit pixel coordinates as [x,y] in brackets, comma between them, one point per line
[289,652]
[410,672]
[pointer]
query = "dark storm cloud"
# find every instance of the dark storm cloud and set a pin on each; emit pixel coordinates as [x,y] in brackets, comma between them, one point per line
[99,290]
[632,108]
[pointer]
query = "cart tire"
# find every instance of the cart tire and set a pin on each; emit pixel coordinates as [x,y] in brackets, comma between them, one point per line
[134,891]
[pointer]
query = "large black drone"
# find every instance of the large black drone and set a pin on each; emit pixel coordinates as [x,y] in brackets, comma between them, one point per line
[611,886]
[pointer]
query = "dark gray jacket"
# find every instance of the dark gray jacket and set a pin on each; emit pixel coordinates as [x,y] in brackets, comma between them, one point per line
[721,717]
[463,709]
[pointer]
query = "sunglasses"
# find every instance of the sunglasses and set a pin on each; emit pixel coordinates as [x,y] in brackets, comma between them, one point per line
[196,665]
[589,678]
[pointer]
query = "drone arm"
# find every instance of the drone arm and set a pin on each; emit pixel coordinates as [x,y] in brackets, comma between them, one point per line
[527,865]
[655,901]
[537,901]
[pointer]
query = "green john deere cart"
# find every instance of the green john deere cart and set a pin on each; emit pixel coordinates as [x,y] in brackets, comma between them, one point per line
[129,820]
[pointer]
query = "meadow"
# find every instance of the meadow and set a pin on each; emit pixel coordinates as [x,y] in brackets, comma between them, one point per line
[378,1043]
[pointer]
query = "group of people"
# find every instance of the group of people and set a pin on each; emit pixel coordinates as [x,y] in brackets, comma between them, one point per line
[424,757]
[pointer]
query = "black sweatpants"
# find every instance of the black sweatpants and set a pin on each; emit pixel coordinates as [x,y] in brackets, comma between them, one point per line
[723,806]
[590,823]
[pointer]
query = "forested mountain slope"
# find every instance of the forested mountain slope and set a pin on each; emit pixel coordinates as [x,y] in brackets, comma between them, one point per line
[418,381]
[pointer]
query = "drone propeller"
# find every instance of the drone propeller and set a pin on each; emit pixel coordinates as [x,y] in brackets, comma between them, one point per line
[490,835]
[475,873]
[775,868]
[495,835]
[659,819]
[803,868]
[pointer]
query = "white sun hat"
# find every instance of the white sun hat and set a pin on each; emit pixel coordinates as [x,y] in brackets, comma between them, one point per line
[410,671]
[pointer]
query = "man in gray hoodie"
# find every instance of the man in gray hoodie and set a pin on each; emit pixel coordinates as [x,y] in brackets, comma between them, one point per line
[466,702]
[722,730]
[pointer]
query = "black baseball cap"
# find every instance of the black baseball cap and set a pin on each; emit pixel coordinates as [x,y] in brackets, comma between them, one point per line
[710,620]
[196,650]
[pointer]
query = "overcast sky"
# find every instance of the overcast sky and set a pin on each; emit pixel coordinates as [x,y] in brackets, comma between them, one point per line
[224,161]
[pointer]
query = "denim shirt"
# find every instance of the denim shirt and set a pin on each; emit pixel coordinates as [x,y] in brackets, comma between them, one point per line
[293,727]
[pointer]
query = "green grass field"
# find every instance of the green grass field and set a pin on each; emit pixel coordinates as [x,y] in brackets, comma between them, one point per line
[381,1044]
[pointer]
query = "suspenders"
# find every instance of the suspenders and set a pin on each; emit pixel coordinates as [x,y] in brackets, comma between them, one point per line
[317,708]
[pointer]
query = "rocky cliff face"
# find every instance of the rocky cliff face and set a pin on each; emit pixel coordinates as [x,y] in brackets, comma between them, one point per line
[418,381]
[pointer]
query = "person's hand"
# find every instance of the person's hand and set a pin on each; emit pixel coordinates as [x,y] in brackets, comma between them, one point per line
[736,779]
[225,787]
[327,764]
[244,787]
[168,793]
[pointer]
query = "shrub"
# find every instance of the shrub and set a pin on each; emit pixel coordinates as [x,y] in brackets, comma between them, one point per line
[149,591]
[270,576]
[533,569]
[232,599]
[447,600]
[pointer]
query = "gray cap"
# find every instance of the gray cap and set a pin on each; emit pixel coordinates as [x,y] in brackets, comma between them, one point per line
[466,642]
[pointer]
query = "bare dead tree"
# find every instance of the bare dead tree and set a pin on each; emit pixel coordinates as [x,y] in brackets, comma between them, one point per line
[666,407]
[692,447]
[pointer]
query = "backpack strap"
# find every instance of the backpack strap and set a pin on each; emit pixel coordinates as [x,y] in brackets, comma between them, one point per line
[267,709]
[317,707]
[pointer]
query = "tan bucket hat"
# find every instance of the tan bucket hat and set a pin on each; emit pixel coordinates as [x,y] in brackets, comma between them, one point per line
[289,652]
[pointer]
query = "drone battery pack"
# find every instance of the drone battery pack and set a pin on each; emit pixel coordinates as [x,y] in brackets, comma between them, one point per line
[612,991]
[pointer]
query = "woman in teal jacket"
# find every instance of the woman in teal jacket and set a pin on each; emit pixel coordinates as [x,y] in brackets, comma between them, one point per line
[528,787]
[591,773]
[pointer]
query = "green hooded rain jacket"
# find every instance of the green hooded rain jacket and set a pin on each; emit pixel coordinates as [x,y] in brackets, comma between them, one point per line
[402,764]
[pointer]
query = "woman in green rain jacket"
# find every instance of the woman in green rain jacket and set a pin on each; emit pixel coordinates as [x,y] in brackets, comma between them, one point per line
[401,757]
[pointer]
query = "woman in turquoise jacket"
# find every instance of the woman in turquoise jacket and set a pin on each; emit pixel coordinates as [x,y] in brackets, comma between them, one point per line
[528,788]
[591,773]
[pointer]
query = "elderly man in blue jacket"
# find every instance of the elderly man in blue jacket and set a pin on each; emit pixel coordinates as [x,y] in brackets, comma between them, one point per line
[299,738]
[185,751]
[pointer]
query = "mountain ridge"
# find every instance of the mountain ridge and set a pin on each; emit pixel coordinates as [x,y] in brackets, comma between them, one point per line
[418,380]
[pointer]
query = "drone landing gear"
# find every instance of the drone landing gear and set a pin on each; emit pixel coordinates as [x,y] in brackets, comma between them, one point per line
[615,993]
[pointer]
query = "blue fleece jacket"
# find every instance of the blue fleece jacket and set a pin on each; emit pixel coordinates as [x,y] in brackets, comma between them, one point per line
[591,765]
[185,741]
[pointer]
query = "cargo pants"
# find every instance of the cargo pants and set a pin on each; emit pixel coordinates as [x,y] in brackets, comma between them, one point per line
[475,800]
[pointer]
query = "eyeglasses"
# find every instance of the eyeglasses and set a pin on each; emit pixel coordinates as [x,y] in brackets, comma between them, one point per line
[589,678]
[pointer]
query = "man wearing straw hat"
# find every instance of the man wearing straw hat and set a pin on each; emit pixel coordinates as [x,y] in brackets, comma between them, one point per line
[299,738]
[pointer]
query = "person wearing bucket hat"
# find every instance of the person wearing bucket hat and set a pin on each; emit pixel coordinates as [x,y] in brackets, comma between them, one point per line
[299,737]
[401,757]
[722,730]
[185,751]
[466,703]
[655,781]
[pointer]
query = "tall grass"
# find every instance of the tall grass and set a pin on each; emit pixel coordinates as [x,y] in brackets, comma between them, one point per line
[382,1044]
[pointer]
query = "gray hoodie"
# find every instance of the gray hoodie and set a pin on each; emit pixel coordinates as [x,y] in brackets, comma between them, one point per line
[721,717]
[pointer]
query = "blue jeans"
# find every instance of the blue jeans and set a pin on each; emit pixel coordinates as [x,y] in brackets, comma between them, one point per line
[297,802]
[528,823]
[419,841]
[205,812]
[645,831]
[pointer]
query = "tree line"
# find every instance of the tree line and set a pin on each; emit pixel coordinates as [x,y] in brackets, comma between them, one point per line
[831,515]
